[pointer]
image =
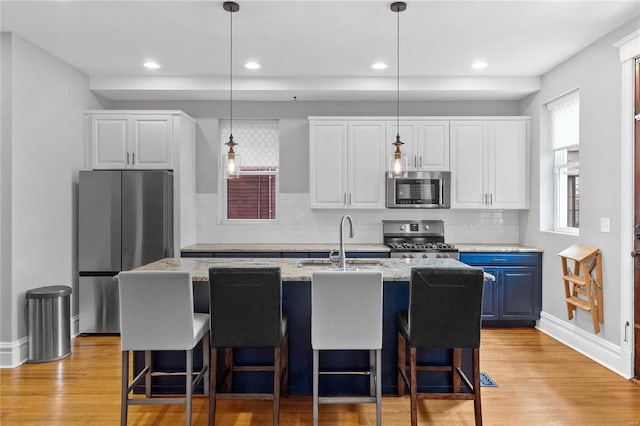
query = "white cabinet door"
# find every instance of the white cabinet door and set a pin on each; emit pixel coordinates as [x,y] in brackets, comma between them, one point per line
[366,156]
[110,141]
[431,147]
[489,164]
[426,144]
[407,136]
[468,164]
[152,141]
[328,164]
[508,161]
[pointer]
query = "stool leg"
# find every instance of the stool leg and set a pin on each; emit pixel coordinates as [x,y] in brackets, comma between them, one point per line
[477,406]
[413,387]
[147,376]
[189,387]
[228,363]
[277,370]
[378,387]
[457,362]
[206,353]
[284,386]
[402,363]
[124,402]
[213,362]
[372,369]
[316,372]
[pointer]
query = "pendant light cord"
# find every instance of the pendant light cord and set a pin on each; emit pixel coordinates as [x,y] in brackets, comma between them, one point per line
[398,75]
[231,73]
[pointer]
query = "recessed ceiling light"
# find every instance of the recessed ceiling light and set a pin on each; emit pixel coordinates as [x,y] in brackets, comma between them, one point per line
[479,65]
[379,66]
[151,65]
[252,65]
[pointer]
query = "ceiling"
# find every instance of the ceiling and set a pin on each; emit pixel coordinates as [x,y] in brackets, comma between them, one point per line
[314,50]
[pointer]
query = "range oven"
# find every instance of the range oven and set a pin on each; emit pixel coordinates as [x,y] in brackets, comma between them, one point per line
[422,190]
[412,239]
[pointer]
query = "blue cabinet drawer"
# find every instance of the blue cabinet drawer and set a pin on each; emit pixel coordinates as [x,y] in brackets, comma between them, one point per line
[499,259]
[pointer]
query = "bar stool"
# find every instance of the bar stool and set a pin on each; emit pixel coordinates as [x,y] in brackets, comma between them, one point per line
[346,314]
[246,312]
[445,307]
[156,314]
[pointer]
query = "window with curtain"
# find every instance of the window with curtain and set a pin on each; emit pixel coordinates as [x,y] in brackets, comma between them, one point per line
[564,123]
[253,194]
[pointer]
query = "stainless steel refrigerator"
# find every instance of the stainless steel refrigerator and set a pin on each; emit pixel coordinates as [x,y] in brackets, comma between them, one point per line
[125,220]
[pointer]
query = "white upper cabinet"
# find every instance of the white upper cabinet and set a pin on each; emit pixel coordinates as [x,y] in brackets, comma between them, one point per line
[328,163]
[426,143]
[131,141]
[347,164]
[152,141]
[489,164]
[366,156]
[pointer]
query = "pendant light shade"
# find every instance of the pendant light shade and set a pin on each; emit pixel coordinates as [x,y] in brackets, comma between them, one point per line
[398,161]
[231,161]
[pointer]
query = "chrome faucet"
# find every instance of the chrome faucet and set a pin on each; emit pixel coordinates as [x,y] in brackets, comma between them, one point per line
[342,260]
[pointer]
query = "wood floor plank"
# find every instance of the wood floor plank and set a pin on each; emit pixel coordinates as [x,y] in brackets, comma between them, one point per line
[540,382]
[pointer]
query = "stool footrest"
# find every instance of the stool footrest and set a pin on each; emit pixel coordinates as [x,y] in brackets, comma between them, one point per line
[346,399]
[350,373]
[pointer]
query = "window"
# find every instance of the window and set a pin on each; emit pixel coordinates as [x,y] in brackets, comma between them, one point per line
[253,194]
[564,120]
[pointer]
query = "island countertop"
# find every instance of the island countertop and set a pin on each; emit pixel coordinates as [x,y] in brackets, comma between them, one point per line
[291,270]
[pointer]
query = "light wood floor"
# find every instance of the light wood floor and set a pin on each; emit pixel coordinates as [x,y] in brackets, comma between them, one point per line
[540,382]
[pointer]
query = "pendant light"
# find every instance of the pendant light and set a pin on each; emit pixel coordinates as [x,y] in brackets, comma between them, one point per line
[398,164]
[232,160]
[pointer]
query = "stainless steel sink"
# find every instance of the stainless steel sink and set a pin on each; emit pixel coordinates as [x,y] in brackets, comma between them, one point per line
[327,262]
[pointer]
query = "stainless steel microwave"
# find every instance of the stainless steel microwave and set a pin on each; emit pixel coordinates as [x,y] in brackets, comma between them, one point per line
[425,190]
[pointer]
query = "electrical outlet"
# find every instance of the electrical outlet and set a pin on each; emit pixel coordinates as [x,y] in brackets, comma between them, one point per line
[605,224]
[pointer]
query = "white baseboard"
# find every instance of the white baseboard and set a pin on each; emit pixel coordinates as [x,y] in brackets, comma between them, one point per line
[601,351]
[12,354]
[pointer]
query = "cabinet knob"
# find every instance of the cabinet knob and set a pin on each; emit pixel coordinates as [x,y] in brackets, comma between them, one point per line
[635,253]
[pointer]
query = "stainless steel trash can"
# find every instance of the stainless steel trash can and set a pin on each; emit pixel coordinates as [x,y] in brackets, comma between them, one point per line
[49,323]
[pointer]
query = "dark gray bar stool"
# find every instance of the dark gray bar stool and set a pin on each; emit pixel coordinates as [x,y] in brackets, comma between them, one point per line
[156,314]
[346,314]
[246,312]
[445,308]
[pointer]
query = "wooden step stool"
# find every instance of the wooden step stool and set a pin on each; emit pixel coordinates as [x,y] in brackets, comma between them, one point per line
[582,289]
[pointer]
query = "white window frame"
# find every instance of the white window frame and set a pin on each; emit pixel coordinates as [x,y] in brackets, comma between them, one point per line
[561,171]
[222,185]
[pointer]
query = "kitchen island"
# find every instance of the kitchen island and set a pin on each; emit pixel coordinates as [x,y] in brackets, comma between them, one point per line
[296,295]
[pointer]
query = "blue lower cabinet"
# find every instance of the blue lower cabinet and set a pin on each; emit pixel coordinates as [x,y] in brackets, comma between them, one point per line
[515,297]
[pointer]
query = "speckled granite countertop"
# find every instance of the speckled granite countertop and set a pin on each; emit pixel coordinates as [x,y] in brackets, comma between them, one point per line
[392,269]
[282,247]
[304,248]
[501,248]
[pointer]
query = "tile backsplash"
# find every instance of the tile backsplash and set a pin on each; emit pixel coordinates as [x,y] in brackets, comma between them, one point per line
[297,223]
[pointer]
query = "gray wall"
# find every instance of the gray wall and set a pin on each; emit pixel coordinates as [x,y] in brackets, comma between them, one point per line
[294,128]
[43,101]
[596,71]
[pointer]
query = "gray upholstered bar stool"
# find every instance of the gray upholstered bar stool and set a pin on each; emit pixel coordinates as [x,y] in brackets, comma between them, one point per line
[346,314]
[156,314]
[246,312]
[445,308]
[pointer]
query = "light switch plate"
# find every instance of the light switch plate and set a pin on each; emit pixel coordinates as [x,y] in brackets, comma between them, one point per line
[605,224]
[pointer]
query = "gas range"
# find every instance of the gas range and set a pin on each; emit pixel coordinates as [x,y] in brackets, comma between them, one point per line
[417,239]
